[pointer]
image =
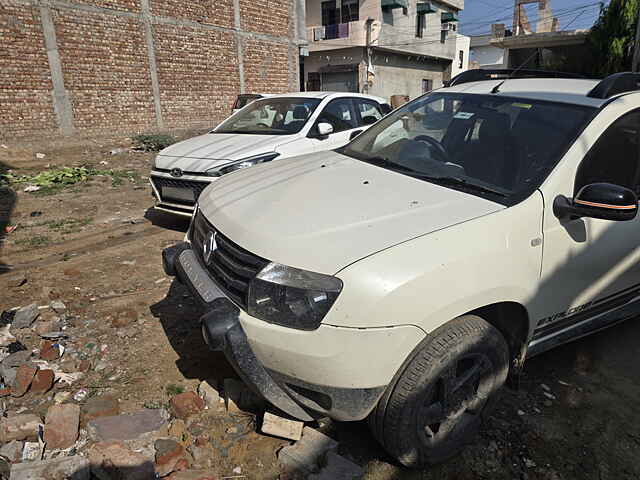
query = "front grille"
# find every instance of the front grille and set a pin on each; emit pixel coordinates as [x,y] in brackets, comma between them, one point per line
[231,266]
[194,186]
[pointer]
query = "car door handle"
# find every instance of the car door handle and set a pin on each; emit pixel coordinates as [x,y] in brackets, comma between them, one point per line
[354,134]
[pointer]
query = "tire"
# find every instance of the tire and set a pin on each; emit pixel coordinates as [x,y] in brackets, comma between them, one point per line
[438,399]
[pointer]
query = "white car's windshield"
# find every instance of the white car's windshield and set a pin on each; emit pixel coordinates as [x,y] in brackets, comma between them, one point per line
[271,116]
[488,145]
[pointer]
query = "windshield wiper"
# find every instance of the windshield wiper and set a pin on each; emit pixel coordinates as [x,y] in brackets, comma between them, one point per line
[456,181]
[443,180]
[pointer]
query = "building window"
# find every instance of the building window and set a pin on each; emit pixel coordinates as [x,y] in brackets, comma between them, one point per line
[443,36]
[350,11]
[329,13]
[420,24]
[460,58]
[427,85]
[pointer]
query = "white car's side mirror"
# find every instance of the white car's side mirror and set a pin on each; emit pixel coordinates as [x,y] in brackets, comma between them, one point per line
[325,129]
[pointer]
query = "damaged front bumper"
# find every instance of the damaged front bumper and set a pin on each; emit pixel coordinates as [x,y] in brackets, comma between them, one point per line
[223,331]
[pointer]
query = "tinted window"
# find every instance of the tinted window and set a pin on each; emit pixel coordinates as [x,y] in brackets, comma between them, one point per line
[369,111]
[614,157]
[340,114]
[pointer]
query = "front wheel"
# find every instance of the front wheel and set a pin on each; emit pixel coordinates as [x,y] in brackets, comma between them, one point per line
[437,401]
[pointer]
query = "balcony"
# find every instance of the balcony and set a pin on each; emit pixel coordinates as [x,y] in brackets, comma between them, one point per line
[447,17]
[391,4]
[342,35]
[425,7]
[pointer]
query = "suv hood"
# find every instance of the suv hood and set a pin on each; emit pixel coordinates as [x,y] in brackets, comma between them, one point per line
[212,149]
[324,211]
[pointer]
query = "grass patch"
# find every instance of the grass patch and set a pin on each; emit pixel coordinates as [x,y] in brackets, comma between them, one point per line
[56,180]
[173,389]
[35,241]
[153,143]
[118,177]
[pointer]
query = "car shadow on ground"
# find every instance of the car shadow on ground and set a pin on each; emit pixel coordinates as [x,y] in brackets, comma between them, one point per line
[180,315]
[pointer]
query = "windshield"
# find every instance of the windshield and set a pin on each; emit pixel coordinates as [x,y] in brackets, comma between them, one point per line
[271,116]
[493,146]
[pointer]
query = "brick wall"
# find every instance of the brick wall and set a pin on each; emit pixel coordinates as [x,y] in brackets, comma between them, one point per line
[26,104]
[129,66]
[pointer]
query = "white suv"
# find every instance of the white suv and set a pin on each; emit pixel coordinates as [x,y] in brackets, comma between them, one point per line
[277,126]
[405,276]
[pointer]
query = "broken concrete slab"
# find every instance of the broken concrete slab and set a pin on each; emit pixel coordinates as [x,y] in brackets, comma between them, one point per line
[69,468]
[306,454]
[113,460]
[19,427]
[338,468]
[16,359]
[281,427]
[61,426]
[13,451]
[100,406]
[127,427]
[209,393]
[25,316]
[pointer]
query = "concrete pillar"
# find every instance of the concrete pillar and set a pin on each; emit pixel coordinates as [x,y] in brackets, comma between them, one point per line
[61,100]
[153,69]
[239,43]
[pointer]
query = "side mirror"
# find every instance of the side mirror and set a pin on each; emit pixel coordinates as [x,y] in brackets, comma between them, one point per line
[324,129]
[598,200]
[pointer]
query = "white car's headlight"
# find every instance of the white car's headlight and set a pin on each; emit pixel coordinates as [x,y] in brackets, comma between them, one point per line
[292,297]
[242,163]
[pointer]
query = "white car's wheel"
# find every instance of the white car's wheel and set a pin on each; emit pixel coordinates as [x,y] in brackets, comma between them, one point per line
[438,399]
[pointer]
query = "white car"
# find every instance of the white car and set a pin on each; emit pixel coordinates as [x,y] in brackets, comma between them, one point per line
[277,126]
[405,276]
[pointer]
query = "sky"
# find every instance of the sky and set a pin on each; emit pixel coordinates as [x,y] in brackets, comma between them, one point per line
[478,15]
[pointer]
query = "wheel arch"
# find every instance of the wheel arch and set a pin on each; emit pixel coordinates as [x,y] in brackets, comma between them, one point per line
[513,322]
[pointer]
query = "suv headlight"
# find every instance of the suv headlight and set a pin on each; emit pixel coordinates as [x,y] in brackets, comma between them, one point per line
[292,297]
[240,164]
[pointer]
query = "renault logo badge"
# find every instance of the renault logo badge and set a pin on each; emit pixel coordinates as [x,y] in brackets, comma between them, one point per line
[209,247]
[176,172]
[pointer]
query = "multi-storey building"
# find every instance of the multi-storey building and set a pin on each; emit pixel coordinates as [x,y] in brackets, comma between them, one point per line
[383,47]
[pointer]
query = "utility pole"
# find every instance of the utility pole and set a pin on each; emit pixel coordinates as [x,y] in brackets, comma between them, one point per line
[636,46]
[368,25]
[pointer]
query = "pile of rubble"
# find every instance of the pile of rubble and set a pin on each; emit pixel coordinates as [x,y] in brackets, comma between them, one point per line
[54,425]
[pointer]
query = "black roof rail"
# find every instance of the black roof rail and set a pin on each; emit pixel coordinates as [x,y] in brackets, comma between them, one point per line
[615,84]
[502,74]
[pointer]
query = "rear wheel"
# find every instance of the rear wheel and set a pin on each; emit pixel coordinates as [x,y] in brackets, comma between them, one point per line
[437,401]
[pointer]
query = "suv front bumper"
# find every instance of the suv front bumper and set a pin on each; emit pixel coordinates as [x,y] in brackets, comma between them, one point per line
[228,329]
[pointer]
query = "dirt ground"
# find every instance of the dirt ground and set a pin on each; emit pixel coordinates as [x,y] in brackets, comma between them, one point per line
[96,246]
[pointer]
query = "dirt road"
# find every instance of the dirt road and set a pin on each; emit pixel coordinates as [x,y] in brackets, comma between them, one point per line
[96,246]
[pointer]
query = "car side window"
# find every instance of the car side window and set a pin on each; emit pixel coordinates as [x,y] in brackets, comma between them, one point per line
[615,156]
[370,112]
[340,114]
